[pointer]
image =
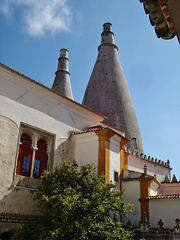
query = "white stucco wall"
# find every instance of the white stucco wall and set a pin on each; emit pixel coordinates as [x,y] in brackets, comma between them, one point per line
[114,157]
[154,188]
[137,164]
[27,102]
[86,148]
[132,194]
[166,209]
[24,101]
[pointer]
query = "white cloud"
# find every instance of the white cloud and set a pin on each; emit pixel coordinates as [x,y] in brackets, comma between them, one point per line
[41,16]
[6,9]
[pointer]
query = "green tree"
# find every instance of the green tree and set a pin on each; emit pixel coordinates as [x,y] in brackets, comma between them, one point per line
[77,204]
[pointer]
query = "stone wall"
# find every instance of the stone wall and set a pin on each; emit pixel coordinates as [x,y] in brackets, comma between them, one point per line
[8,150]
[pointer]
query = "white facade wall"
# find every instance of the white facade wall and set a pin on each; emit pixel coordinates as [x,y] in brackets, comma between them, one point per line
[114,158]
[23,101]
[154,188]
[166,209]
[137,164]
[132,194]
[86,148]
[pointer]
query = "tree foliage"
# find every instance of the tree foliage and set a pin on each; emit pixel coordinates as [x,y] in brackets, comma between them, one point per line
[77,205]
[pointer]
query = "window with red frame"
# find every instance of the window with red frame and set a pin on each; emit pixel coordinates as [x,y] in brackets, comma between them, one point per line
[40,162]
[25,156]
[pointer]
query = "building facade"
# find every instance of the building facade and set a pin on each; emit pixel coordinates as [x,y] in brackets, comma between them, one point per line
[40,128]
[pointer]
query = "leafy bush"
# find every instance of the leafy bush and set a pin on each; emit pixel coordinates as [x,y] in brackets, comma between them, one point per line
[77,205]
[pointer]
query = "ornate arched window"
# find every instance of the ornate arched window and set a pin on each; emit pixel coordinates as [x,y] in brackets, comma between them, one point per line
[25,156]
[35,147]
[40,162]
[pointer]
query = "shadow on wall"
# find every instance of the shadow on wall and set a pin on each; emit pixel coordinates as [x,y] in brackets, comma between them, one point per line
[18,199]
[17,205]
[64,150]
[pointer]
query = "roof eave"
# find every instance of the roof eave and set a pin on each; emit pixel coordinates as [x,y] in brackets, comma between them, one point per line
[159,18]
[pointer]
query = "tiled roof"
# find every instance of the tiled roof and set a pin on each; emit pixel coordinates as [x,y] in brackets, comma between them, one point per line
[159,18]
[114,128]
[164,196]
[91,129]
[49,89]
[99,128]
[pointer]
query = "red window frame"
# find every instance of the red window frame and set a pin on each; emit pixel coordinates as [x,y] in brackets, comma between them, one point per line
[25,151]
[41,155]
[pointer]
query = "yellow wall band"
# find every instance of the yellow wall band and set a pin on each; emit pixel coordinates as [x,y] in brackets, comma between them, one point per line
[104,153]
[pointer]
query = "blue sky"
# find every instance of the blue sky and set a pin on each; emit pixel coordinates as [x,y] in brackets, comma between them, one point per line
[33,32]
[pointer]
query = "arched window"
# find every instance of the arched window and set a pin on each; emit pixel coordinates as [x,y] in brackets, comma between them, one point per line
[40,162]
[25,156]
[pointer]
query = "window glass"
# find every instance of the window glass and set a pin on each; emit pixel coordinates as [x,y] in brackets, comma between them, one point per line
[135,143]
[24,156]
[32,156]
[36,168]
[25,165]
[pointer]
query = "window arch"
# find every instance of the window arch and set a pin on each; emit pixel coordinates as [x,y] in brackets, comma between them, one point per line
[40,162]
[35,152]
[25,156]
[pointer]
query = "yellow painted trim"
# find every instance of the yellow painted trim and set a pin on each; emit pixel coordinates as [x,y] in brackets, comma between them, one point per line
[158,190]
[104,152]
[126,160]
[144,193]
[123,159]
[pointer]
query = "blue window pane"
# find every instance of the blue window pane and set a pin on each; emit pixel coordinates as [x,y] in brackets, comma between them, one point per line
[36,168]
[135,143]
[25,166]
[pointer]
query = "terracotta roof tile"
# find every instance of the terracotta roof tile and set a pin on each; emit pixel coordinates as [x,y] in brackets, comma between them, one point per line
[91,129]
[164,196]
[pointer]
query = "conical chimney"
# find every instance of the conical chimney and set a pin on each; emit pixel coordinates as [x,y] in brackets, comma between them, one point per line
[107,92]
[62,80]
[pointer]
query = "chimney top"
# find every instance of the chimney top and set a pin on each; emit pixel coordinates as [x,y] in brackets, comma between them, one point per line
[107,27]
[62,83]
[64,53]
[107,35]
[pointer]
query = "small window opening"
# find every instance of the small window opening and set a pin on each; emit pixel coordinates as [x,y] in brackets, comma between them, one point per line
[116,179]
[135,143]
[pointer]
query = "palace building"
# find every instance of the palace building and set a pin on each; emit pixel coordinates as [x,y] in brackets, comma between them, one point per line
[41,127]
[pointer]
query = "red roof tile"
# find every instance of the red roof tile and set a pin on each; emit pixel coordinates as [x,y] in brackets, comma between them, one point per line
[91,129]
[164,196]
